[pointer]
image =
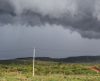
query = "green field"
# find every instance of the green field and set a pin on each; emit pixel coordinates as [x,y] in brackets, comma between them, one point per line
[21,70]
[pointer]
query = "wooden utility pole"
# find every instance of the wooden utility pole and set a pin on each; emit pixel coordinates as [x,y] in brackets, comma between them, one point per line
[33,62]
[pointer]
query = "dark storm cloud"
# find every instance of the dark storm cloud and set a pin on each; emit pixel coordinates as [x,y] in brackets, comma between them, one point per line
[78,15]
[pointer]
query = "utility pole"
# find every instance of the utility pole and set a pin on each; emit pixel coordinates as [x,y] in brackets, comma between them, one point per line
[33,62]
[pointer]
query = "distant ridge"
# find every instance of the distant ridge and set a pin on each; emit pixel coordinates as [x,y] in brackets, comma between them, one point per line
[77,59]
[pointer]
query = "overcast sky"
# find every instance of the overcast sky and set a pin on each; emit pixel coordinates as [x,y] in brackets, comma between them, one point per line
[56,28]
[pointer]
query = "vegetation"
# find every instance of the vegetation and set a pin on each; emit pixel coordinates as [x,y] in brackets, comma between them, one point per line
[21,70]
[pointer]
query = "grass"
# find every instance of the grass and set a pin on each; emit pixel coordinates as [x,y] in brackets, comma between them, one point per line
[53,78]
[21,70]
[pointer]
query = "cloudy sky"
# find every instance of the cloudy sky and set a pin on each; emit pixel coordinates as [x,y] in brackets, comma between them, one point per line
[56,28]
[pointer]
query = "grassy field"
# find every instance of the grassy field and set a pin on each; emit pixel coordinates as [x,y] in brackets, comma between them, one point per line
[21,70]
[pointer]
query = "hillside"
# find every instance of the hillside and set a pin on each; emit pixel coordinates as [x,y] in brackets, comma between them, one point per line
[78,59]
[48,69]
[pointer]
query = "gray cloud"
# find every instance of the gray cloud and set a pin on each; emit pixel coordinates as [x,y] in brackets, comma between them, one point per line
[78,15]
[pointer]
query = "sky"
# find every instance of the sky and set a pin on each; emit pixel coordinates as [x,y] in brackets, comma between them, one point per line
[56,28]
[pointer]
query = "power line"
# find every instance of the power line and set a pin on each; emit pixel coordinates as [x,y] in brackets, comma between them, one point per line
[47,49]
[16,50]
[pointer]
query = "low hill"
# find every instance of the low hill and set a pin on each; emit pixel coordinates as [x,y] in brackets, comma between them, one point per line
[78,59]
